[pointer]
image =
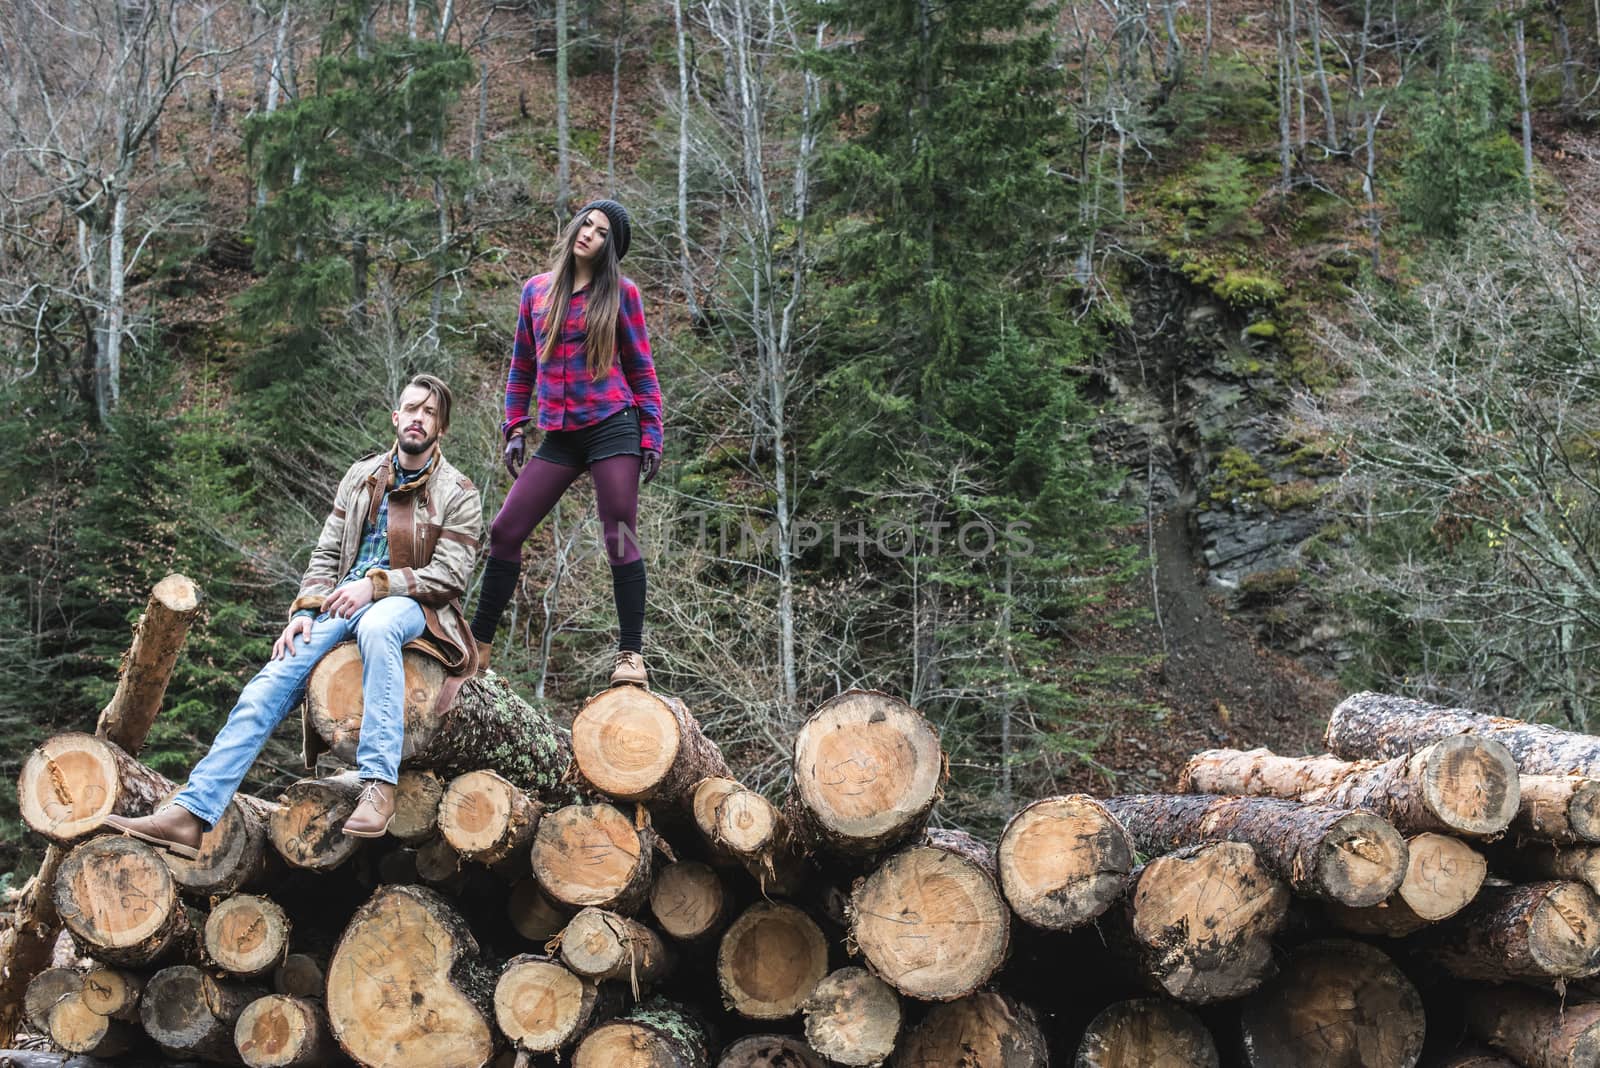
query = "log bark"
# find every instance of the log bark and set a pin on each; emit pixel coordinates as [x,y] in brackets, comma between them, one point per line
[769,961]
[533,914]
[77,1029]
[405,987]
[119,900]
[189,1012]
[1063,861]
[770,1051]
[234,855]
[112,992]
[752,830]
[307,828]
[416,805]
[1564,809]
[247,936]
[302,975]
[487,819]
[1336,1004]
[1146,1033]
[600,945]
[1198,924]
[439,865]
[72,782]
[1459,785]
[45,991]
[592,855]
[147,666]
[867,771]
[984,1030]
[853,1017]
[542,1006]
[1354,858]
[635,745]
[1531,931]
[1541,860]
[1375,725]
[279,1031]
[1535,1029]
[486,726]
[688,901]
[1443,875]
[930,920]
[657,1034]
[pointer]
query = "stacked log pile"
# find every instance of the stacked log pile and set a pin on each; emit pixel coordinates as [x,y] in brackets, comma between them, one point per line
[611,895]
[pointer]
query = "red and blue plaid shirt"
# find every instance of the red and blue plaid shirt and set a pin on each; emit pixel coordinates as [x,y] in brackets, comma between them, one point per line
[569,398]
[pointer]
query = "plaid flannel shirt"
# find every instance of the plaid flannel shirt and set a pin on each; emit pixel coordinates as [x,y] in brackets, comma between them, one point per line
[568,398]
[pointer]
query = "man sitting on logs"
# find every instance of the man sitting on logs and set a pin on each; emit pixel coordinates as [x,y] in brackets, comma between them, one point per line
[390,568]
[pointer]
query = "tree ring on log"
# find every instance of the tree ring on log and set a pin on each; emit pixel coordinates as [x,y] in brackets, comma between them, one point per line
[540,1005]
[1063,861]
[587,854]
[1562,937]
[687,899]
[333,694]
[247,935]
[1362,860]
[1473,781]
[115,893]
[770,960]
[625,740]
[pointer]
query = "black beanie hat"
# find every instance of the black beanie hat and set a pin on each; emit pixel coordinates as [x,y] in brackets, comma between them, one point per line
[621,225]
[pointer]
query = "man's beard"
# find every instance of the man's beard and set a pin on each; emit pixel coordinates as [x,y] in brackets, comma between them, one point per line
[416,448]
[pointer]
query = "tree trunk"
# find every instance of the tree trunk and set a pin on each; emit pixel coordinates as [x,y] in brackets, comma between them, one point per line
[1539,931]
[121,904]
[1564,809]
[1443,875]
[112,992]
[532,913]
[587,855]
[405,987]
[147,666]
[247,936]
[688,901]
[45,991]
[72,782]
[486,726]
[1146,1033]
[770,960]
[307,829]
[753,831]
[1535,1029]
[770,1051]
[1353,858]
[987,1029]
[930,920]
[542,1007]
[1377,725]
[657,1034]
[1063,861]
[853,1017]
[635,745]
[488,820]
[1337,1004]
[77,1029]
[278,1031]
[416,806]
[600,945]
[234,855]
[1460,785]
[867,771]
[302,975]
[1200,922]
[187,1011]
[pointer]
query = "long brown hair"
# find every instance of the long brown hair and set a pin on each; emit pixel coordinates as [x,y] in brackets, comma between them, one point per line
[600,310]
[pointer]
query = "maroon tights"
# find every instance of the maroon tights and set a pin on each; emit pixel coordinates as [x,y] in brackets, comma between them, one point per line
[540,486]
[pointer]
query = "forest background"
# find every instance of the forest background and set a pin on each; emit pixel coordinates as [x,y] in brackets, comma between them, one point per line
[1108,378]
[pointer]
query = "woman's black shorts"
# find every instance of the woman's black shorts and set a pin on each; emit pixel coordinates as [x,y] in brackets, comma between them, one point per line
[615,435]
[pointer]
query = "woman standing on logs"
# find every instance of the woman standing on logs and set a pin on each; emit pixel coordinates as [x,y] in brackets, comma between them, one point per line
[581,348]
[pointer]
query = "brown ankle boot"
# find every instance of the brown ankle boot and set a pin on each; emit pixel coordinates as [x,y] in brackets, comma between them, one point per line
[374,811]
[485,650]
[629,669]
[174,828]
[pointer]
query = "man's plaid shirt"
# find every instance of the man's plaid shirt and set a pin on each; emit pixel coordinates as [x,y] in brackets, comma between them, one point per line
[569,399]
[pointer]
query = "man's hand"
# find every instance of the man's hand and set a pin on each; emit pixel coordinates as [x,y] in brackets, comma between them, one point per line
[284,646]
[649,465]
[516,454]
[349,599]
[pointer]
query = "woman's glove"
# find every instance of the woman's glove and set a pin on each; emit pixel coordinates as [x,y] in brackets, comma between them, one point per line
[649,464]
[516,454]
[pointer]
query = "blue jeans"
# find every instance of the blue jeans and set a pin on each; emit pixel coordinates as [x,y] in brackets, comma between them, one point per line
[380,629]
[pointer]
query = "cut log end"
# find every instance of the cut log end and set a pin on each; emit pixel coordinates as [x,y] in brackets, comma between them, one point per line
[983,1029]
[770,1051]
[1063,861]
[747,823]
[591,855]
[185,1009]
[302,975]
[177,593]
[116,895]
[72,782]
[625,741]
[532,913]
[333,695]
[1443,875]
[1564,934]
[655,1035]
[112,992]
[78,1029]
[1146,1033]
[486,818]
[307,828]
[283,1032]
[853,1017]
[45,991]
[770,960]
[416,805]
[1472,784]
[232,855]
[540,1005]
[603,945]
[1361,861]
[687,900]
[247,935]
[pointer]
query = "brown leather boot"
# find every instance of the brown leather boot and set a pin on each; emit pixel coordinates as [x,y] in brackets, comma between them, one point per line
[629,669]
[485,650]
[374,811]
[174,828]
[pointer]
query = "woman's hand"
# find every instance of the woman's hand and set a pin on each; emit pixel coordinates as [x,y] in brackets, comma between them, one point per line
[649,465]
[516,454]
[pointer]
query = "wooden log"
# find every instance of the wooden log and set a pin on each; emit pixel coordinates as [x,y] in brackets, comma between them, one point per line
[770,1051]
[756,834]
[1063,861]
[247,936]
[703,801]
[72,782]
[1146,1033]
[279,1031]
[542,1006]
[769,961]
[27,944]
[688,901]
[853,1017]
[657,1034]
[1198,924]
[592,855]
[1535,1029]
[1471,1058]
[487,819]
[1564,809]
[44,991]
[439,865]
[416,805]
[112,992]
[1354,858]
[1543,860]
[302,975]
[1337,1004]
[189,1012]
[632,744]
[486,726]
[1375,725]
[867,771]
[119,900]
[234,855]
[533,914]
[601,945]
[983,1030]
[77,1029]
[147,665]
[405,987]
[1459,785]
[1443,875]
[930,920]
[307,828]
[1530,931]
